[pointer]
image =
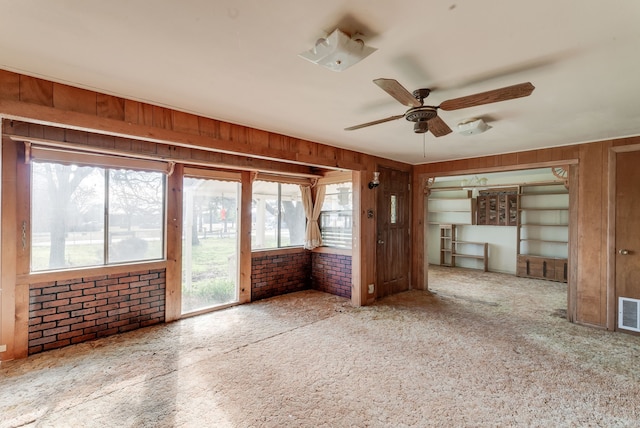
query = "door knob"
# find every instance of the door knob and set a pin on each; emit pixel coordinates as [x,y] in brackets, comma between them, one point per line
[380,241]
[623,252]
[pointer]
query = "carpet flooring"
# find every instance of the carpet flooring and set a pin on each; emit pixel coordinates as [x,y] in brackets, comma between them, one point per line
[480,349]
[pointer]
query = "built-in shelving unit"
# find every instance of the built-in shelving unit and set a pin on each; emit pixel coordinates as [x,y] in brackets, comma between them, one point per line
[453,210]
[452,249]
[543,231]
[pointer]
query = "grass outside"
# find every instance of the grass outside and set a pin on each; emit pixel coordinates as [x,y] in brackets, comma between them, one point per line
[213,265]
[85,249]
[213,274]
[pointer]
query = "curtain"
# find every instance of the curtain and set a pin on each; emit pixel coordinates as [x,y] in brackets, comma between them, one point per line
[312,236]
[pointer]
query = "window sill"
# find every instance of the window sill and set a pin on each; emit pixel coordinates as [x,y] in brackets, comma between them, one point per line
[276,251]
[331,250]
[85,272]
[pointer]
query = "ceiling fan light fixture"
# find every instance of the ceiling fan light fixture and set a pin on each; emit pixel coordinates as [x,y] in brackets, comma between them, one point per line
[338,51]
[472,127]
[420,127]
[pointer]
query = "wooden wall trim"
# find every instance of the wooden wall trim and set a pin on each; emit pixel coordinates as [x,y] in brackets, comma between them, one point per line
[419,257]
[244,262]
[97,143]
[8,254]
[173,285]
[62,275]
[48,103]
[443,172]
[573,261]
[358,276]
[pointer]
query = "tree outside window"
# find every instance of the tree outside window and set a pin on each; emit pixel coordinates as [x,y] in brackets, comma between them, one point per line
[278,218]
[90,216]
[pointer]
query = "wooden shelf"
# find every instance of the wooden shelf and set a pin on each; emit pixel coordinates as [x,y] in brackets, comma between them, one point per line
[538,257]
[544,209]
[543,225]
[449,248]
[452,210]
[544,240]
[541,194]
[448,199]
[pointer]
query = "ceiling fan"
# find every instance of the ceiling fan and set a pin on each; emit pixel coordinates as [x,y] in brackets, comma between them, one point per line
[426,118]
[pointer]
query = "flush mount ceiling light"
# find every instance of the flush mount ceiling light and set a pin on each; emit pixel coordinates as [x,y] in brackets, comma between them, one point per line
[472,127]
[338,51]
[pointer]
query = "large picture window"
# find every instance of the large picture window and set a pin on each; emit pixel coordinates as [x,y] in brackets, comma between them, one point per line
[278,218]
[89,216]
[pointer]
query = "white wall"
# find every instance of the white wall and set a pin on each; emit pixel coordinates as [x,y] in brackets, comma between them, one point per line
[502,246]
[502,239]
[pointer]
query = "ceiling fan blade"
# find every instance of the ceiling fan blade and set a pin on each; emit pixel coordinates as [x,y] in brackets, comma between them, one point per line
[397,91]
[375,122]
[437,127]
[497,95]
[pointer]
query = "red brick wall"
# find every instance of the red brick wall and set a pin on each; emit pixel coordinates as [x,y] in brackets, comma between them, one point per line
[331,273]
[65,312]
[273,275]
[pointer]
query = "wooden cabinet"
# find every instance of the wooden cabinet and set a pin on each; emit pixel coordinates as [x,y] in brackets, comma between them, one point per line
[497,208]
[543,231]
[554,269]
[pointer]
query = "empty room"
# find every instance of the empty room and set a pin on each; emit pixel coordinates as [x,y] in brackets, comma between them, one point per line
[338,213]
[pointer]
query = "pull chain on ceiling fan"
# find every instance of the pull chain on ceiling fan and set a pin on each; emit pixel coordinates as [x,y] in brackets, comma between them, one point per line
[426,118]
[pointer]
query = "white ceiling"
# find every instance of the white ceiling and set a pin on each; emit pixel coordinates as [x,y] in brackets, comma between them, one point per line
[237,61]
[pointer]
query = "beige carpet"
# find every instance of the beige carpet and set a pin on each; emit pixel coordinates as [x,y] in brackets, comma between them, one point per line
[484,350]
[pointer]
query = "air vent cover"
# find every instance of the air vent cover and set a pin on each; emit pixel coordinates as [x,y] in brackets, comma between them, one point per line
[629,314]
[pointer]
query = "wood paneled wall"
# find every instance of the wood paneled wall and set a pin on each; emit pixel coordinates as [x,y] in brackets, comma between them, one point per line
[128,125]
[53,103]
[590,249]
[84,118]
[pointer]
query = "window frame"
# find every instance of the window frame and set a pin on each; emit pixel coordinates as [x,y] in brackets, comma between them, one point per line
[107,163]
[337,182]
[279,181]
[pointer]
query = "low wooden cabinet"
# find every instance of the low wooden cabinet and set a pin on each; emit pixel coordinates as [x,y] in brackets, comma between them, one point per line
[549,268]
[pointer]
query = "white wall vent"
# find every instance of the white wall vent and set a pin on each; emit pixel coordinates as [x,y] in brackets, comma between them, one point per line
[629,314]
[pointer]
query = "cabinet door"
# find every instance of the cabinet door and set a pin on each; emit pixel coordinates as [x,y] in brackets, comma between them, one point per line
[482,210]
[492,209]
[512,207]
[549,269]
[502,210]
[561,270]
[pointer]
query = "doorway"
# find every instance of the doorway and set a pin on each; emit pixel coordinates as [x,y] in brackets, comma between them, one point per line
[627,240]
[210,274]
[393,233]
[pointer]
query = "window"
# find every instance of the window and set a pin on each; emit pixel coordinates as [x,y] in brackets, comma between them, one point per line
[278,218]
[90,216]
[336,216]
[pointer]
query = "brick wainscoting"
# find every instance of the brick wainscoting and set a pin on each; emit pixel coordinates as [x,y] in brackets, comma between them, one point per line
[331,273]
[72,311]
[280,273]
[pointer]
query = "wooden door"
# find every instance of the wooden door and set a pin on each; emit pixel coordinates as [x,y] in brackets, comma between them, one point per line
[627,233]
[392,229]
